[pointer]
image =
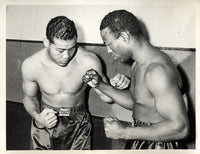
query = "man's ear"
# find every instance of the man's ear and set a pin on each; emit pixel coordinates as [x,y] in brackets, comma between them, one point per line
[46,42]
[125,36]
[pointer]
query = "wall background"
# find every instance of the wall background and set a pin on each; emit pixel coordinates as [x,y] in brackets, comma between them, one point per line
[169,25]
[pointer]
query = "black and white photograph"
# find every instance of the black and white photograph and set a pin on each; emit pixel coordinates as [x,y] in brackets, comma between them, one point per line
[99,75]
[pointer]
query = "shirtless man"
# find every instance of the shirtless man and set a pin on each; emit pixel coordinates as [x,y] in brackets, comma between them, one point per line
[60,119]
[159,116]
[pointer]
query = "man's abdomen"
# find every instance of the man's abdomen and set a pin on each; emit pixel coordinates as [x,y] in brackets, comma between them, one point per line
[64,100]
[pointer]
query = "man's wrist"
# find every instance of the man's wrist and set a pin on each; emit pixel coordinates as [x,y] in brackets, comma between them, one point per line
[36,116]
[125,133]
[97,85]
[38,124]
[100,85]
[36,120]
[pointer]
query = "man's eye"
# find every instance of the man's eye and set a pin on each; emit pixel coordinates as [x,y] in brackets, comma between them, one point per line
[60,50]
[71,49]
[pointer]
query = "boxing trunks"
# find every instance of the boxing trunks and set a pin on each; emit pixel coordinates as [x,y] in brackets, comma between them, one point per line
[72,131]
[145,144]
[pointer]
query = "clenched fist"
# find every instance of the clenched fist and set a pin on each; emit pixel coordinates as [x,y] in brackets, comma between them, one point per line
[120,81]
[92,78]
[113,128]
[47,118]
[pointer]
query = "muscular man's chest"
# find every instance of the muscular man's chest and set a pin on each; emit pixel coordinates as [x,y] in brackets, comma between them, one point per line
[138,88]
[54,81]
[144,108]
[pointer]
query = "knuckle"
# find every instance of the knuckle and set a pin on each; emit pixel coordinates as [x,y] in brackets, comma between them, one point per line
[120,82]
[118,76]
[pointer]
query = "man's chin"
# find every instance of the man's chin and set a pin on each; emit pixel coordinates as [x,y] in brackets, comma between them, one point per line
[63,64]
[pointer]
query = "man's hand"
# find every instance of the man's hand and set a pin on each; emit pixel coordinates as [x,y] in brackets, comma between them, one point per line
[113,128]
[47,118]
[120,81]
[92,78]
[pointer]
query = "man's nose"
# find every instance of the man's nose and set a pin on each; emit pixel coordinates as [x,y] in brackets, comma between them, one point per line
[109,49]
[66,54]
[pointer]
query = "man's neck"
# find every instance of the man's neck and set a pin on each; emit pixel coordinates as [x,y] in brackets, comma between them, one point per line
[141,51]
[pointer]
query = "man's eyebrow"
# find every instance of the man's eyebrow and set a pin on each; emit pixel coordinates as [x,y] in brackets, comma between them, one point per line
[73,46]
[61,49]
[65,48]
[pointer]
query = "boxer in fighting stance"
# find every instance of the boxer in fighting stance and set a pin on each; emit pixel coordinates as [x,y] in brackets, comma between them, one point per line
[60,119]
[159,115]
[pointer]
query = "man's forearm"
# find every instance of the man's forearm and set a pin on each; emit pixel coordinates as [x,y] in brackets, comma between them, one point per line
[121,97]
[163,131]
[103,96]
[32,106]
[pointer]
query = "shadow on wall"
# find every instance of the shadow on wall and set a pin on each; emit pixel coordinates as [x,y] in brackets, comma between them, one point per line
[144,30]
[187,71]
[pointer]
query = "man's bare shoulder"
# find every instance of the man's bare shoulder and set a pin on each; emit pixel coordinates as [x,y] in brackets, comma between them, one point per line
[30,64]
[161,65]
[155,69]
[159,76]
[87,57]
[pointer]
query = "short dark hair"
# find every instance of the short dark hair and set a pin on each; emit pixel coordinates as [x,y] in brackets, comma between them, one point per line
[60,27]
[121,20]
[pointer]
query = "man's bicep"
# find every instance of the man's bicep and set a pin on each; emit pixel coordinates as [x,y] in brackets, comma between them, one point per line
[168,98]
[170,104]
[30,88]
[98,67]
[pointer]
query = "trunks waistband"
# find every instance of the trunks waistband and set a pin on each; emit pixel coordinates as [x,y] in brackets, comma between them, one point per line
[65,111]
[138,123]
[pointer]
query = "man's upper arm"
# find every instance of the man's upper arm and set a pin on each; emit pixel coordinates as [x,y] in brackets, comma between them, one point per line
[30,87]
[95,64]
[162,83]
